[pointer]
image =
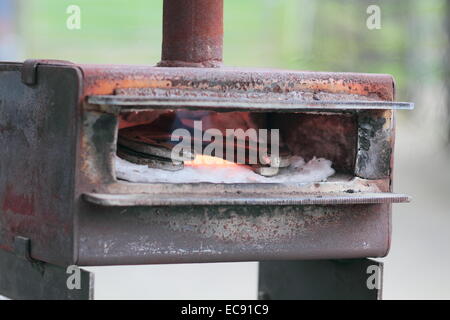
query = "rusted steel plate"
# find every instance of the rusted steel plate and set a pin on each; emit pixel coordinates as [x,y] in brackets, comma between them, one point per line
[225,104]
[324,86]
[38,132]
[124,200]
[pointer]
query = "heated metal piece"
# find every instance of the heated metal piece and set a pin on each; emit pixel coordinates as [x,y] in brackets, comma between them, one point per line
[149,160]
[154,148]
[266,171]
[282,161]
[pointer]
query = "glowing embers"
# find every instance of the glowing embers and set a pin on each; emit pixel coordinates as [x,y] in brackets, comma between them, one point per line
[203,160]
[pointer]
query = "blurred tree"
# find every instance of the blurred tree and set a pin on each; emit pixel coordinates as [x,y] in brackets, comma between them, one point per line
[446,68]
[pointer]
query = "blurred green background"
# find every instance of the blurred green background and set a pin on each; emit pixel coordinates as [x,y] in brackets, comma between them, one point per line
[321,35]
[326,35]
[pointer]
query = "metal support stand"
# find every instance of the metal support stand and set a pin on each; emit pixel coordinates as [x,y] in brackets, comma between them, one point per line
[358,279]
[25,279]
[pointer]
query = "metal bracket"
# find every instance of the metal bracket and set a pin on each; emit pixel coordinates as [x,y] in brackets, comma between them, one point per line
[330,198]
[191,99]
[22,248]
[29,69]
[24,279]
[354,279]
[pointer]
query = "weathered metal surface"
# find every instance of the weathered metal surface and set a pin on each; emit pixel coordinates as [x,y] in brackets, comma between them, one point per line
[37,166]
[321,280]
[97,149]
[324,86]
[22,279]
[192,33]
[190,234]
[375,145]
[187,199]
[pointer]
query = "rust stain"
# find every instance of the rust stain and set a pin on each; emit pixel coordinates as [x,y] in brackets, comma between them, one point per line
[18,203]
[107,86]
[101,80]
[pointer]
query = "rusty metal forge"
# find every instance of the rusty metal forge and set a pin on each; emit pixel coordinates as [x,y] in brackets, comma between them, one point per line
[58,132]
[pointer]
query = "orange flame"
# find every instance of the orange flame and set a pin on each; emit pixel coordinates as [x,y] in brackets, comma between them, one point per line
[202,160]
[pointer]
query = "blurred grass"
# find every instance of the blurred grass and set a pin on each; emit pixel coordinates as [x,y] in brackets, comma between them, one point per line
[112,31]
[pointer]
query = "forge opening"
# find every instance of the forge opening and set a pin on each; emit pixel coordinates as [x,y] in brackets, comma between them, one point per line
[235,147]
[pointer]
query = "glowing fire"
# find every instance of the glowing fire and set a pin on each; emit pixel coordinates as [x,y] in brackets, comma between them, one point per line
[202,160]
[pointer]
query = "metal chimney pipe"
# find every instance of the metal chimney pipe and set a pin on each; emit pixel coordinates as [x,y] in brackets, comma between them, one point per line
[192,33]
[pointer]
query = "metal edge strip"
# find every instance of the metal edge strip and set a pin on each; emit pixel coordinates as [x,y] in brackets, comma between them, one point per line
[130,200]
[140,102]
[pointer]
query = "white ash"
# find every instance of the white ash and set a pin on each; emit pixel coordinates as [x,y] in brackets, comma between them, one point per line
[315,170]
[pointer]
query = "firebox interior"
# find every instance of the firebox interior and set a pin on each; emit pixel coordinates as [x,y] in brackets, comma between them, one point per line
[305,139]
